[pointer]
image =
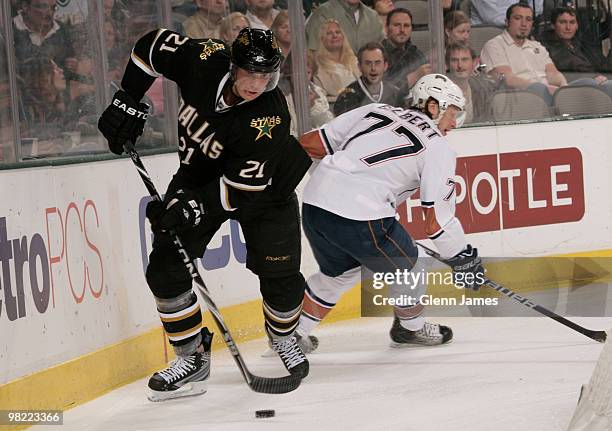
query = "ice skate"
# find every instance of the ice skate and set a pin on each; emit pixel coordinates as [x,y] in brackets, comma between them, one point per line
[184,376]
[431,334]
[308,343]
[292,356]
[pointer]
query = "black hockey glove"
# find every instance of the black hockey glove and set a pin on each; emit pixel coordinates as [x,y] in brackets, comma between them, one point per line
[123,121]
[179,211]
[468,271]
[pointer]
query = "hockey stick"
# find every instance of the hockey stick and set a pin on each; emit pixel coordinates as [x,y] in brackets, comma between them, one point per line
[595,335]
[266,385]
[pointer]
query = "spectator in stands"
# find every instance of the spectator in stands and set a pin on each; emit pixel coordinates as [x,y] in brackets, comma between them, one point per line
[336,63]
[407,64]
[181,10]
[450,5]
[567,50]
[359,23]
[310,5]
[6,123]
[457,27]
[115,57]
[491,12]
[231,26]
[238,6]
[382,8]
[43,104]
[261,13]
[281,29]
[370,87]
[37,33]
[116,15]
[206,22]
[113,16]
[521,62]
[478,89]
[317,101]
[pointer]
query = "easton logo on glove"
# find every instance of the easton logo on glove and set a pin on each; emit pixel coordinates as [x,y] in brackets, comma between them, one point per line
[122,121]
[196,214]
[130,110]
[182,210]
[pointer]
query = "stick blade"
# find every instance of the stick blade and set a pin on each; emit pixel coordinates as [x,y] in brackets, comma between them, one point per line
[275,385]
[600,336]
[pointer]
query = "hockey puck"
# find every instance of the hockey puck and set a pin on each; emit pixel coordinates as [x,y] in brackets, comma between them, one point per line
[265,413]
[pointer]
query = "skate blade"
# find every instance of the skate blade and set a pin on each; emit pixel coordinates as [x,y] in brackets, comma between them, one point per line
[269,354]
[190,389]
[395,345]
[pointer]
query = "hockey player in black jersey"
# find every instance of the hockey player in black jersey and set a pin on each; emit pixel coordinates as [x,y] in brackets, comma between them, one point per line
[237,160]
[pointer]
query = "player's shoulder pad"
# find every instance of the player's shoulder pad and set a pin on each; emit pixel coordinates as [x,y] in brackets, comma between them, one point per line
[154,48]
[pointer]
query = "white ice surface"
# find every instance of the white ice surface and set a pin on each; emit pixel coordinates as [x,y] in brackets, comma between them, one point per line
[497,374]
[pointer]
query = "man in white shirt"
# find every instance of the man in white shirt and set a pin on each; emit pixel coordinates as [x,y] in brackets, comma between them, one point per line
[524,63]
[491,12]
[373,158]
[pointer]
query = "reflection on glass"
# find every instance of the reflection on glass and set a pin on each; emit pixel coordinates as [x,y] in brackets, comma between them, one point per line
[59,101]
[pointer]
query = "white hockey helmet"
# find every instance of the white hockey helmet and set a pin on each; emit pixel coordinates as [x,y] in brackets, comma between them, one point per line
[443,90]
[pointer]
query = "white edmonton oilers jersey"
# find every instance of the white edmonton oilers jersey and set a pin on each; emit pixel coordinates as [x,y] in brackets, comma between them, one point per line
[378,156]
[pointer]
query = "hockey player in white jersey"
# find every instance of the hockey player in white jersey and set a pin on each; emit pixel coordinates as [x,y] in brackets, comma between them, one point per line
[372,159]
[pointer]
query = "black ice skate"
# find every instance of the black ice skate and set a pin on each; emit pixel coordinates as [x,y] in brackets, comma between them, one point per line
[430,334]
[292,356]
[308,344]
[184,377]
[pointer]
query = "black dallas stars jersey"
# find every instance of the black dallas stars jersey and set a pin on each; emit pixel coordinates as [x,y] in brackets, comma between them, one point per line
[232,153]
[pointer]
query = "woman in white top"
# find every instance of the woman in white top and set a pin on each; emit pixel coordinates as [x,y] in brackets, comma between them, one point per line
[337,64]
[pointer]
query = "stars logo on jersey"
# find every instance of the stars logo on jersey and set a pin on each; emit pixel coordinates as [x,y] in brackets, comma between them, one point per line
[265,125]
[210,47]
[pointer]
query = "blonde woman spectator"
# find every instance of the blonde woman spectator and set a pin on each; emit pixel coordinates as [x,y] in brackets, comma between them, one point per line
[206,21]
[382,8]
[281,29]
[231,26]
[317,101]
[336,62]
[457,27]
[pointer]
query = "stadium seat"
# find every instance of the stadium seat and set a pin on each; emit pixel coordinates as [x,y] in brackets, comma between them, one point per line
[422,40]
[418,9]
[479,35]
[582,100]
[516,105]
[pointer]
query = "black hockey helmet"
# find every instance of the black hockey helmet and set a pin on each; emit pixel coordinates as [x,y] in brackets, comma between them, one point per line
[257,51]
